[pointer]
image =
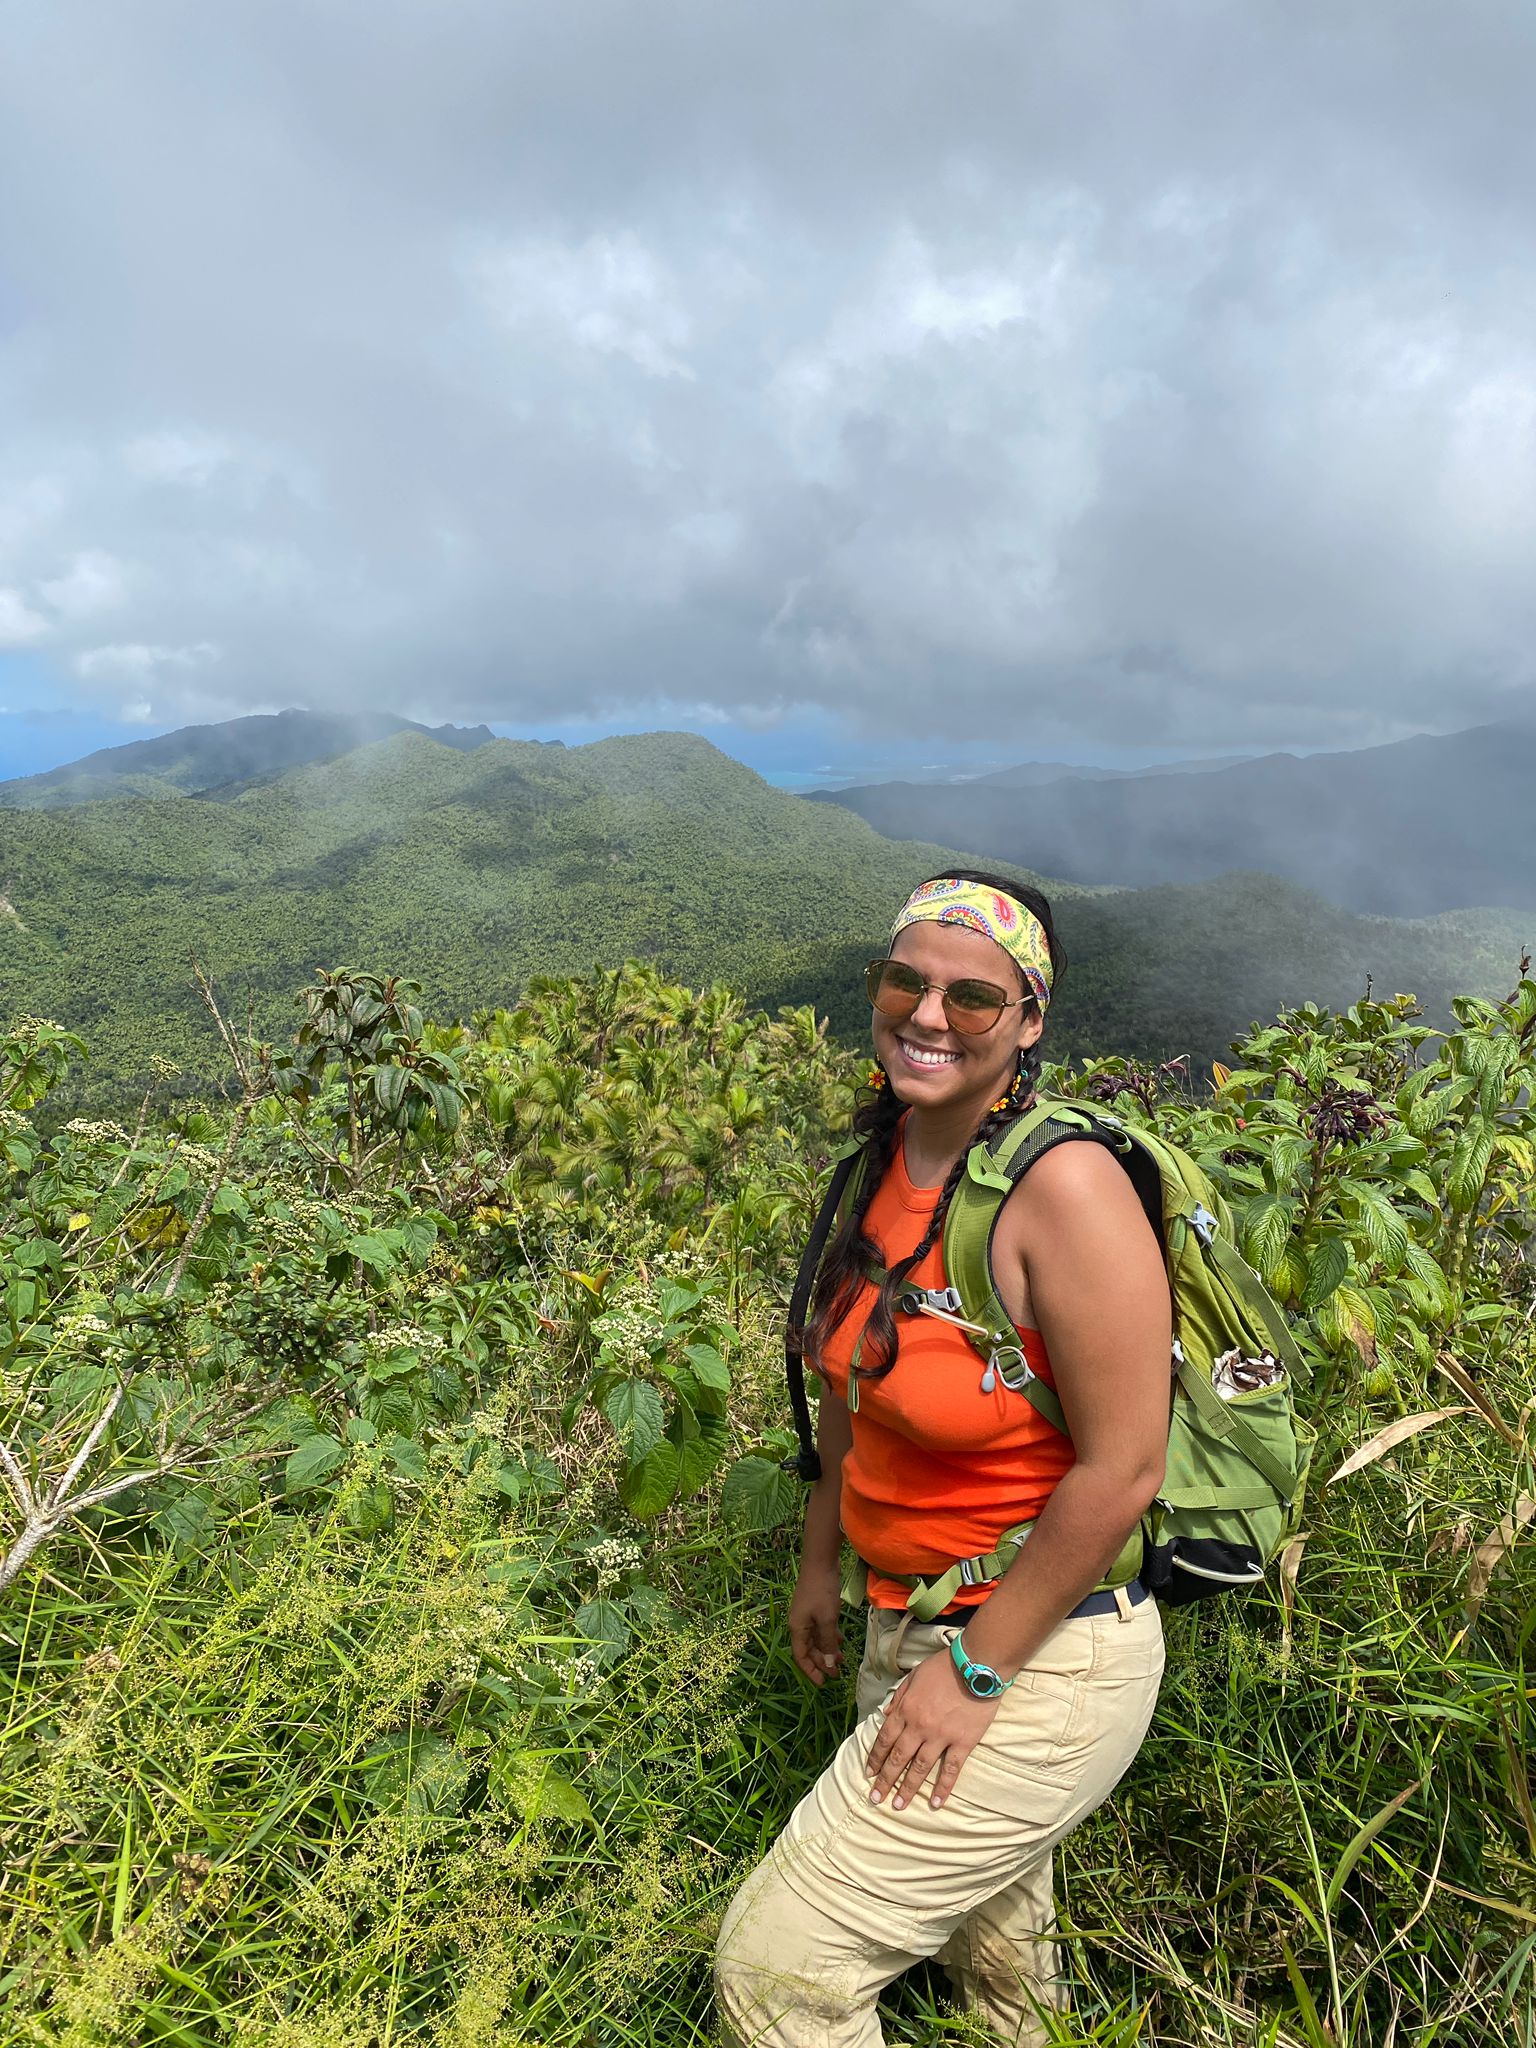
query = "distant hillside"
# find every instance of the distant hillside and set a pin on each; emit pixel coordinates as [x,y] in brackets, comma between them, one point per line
[474,870]
[1425,825]
[219,760]
[1031,774]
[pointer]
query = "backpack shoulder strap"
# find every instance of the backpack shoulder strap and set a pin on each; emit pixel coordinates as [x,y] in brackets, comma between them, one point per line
[806,1461]
[992,1173]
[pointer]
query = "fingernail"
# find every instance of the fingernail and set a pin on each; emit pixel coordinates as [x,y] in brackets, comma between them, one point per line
[875,1796]
[897,1805]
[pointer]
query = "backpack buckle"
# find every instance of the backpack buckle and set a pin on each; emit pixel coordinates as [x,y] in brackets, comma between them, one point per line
[942,1301]
[1014,1377]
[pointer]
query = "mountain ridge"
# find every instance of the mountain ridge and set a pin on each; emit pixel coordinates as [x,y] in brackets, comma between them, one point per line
[219,760]
[473,870]
[1418,826]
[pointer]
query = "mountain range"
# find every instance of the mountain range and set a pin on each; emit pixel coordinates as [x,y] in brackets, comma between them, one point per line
[473,867]
[220,760]
[1423,825]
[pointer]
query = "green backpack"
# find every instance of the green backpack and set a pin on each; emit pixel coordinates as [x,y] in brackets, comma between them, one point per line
[1237,1452]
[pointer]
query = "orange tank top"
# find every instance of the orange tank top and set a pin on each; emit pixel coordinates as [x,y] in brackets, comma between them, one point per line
[937,1469]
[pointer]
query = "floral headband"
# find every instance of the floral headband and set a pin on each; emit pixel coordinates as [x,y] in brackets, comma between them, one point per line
[996,916]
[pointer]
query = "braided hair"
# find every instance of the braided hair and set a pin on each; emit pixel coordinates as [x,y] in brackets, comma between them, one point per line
[877,1120]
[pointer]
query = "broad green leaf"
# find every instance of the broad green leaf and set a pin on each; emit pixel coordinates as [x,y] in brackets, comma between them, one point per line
[416,1774]
[1266,1226]
[1353,1321]
[185,1518]
[758,1494]
[635,1409]
[389,1088]
[683,1423]
[511,1478]
[709,1367]
[675,1300]
[1385,1231]
[1328,1264]
[375,1251]
[545,1477]
[702,1454]
[649,1486]
[369,1509]
[313,1462]
[418,1237]
[408,1457]
[1469,1165]
[530,1783]
[603,1621]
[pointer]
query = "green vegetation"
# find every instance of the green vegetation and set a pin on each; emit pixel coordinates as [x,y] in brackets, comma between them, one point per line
[396,1554]
[473,870]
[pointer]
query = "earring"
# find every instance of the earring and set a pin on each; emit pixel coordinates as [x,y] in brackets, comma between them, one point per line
[1017,1090]
[877,1078]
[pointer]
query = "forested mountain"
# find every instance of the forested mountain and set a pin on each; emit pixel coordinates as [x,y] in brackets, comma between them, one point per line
[1425,825]
[220,760]
[473,870]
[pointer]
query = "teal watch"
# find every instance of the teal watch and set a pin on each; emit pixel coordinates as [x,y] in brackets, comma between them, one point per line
[979,1680]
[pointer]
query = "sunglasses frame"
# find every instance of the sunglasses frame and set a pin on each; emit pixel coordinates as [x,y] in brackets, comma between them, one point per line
[875,972]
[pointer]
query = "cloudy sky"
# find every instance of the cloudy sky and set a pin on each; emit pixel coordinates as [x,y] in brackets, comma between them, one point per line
[1100,381]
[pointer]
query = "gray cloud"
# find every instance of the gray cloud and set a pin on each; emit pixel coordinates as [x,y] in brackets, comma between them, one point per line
[1166,375]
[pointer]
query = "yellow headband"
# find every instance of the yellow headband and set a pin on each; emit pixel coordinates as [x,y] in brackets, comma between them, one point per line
[996,916]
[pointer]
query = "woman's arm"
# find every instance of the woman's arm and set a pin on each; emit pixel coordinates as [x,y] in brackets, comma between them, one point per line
[815,1612]
[1099,1295]
[1093,1273]
[821,1542]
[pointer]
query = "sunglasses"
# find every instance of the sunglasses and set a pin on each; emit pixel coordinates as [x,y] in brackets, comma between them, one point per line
[895,990]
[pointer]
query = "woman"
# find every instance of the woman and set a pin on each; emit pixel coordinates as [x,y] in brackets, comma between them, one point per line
[930,1832]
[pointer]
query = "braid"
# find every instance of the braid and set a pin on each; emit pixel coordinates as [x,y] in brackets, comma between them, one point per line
[879,1347]
[876,1120]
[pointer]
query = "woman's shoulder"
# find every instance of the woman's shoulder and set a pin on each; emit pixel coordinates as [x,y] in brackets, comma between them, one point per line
[1075,1185]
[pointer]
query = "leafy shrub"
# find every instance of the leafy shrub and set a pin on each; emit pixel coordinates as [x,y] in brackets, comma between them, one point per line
[425,1676]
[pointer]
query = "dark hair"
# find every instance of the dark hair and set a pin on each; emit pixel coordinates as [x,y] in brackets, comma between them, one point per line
[852,1252]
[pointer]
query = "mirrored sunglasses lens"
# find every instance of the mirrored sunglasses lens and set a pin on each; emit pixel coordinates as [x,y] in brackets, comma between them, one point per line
[894,989]
[973,1005]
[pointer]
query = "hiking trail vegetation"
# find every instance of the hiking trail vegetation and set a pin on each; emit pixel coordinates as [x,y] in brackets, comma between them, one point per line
[395,1546]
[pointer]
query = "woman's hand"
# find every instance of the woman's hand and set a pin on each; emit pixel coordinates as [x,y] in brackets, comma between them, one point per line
[931,1719]
[815,1622]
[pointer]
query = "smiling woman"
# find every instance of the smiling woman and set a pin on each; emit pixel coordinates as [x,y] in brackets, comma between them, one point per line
[1016,1709]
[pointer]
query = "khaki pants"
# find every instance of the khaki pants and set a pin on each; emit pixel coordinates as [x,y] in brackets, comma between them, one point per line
[852,1894]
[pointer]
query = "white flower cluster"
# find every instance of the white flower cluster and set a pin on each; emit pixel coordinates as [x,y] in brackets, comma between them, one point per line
[630,1332]
[197,1158]
[81,1323]
[96,1133]
[483,1423]
[13,1120]
[407,1337]
[288,1236]
[611,1558]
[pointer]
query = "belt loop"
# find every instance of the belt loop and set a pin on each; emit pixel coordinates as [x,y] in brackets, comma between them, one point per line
[1123,1604]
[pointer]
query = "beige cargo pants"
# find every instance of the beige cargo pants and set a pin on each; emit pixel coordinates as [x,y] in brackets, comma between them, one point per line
[851,1894]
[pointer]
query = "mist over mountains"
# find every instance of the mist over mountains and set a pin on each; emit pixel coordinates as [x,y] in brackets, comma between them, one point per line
[1407,830]
[472,867]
